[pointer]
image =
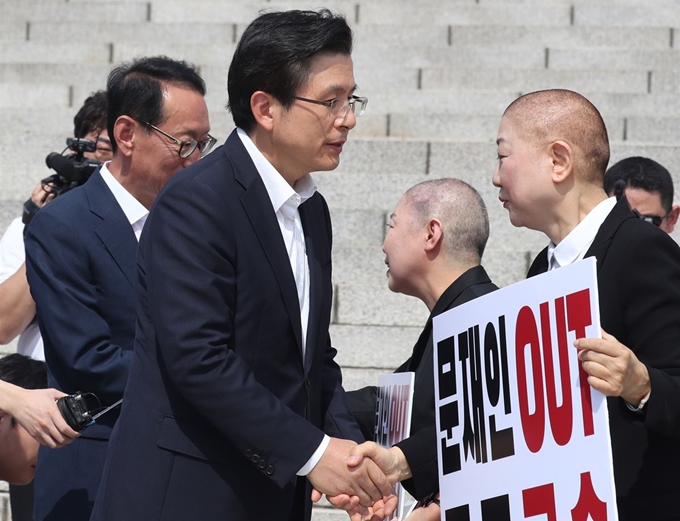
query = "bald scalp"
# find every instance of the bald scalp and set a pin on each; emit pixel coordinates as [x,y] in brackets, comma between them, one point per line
[459,208]
[546,116]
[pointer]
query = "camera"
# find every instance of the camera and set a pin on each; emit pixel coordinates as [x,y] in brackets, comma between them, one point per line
[75,411]
[78,413]
[72,170]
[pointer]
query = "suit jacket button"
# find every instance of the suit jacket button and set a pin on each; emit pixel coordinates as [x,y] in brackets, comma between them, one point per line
[248,452]
[270,470]
[262,464]
[255,458]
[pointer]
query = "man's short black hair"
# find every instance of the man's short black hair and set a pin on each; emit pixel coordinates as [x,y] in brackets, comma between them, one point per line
[91,116]
[23,371]
[274,54]
[643,173]
[136,89]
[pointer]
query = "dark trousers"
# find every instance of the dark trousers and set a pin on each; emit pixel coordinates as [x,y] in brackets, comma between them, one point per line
[21,501]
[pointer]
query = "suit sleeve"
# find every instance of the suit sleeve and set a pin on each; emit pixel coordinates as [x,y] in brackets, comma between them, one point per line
[78,340]
[362,405]
[189,275]
[648,278]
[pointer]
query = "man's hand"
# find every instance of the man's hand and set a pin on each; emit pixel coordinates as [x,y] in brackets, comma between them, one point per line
[613,369]
[333,476]
[380,510]
[395,467]
[37,412]
[391,461]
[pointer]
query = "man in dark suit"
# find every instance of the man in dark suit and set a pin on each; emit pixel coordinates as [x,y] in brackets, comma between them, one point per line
[552,154]
[648,187]
[433,249]
[81,251]
[234,403]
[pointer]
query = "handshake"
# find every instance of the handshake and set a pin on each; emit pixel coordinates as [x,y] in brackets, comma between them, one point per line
[359,478]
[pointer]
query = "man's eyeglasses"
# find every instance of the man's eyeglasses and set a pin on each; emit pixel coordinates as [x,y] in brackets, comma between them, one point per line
[186,148]
[656,220]
[337,109]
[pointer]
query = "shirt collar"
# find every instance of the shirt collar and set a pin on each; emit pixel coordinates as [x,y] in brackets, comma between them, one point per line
[575,245]
[132,208]
[280,192]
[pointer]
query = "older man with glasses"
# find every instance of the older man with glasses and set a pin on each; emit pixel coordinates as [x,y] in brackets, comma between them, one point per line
[81,262]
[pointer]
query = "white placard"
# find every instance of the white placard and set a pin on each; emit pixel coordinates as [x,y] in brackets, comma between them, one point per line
[521,434]
[394,405]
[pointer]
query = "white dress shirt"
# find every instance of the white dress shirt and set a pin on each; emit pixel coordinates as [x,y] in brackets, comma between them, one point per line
[285,200]
[575,245]
[135,211]
[12,256]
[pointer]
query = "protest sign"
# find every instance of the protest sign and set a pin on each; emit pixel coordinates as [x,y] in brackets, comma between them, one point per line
[394,405]
[521,434]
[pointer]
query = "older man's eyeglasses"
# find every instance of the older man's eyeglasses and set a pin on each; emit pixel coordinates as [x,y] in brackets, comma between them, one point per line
[337,109]
[186,148]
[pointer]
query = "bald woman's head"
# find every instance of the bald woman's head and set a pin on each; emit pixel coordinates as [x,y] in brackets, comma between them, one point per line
[553,115]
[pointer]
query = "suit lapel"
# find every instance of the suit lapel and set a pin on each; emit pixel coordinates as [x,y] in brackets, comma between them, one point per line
[598,249]
[315,282]
[114,231]
[258,207]
[600,246]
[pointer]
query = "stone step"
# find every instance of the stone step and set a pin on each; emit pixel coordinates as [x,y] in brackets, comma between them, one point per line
[631,14]
[95,53]
[466,13]
[527,80]
[379,347]
[213,34]
[654,130]
[383,57]
[45,95]
[617,59]
[55,12]
[576,37]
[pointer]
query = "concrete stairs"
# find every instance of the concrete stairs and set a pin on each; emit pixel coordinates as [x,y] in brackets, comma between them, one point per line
[438,74]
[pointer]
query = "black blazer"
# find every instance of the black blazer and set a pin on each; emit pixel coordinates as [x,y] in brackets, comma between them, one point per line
[221,409]
[638,274]
[420,448]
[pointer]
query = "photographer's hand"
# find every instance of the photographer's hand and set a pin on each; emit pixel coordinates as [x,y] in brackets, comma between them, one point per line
[42,194]
[37,412]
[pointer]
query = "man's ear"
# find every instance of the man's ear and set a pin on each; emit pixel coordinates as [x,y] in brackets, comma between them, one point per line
[125,130]
[262,106]
[435,235]
[562,158]
[672,218]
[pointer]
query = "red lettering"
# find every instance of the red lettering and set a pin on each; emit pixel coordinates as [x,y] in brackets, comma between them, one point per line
[578,318]
[526,334]
[540,500]
[561,418]
[589,506]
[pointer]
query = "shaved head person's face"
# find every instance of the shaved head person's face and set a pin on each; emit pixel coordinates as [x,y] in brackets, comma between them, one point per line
[523,175]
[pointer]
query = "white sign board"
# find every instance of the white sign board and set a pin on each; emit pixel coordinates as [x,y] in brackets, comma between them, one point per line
[521,434]
[394,405]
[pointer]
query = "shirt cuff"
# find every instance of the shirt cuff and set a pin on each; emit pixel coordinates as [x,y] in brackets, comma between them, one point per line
[316,457]
[642,403]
